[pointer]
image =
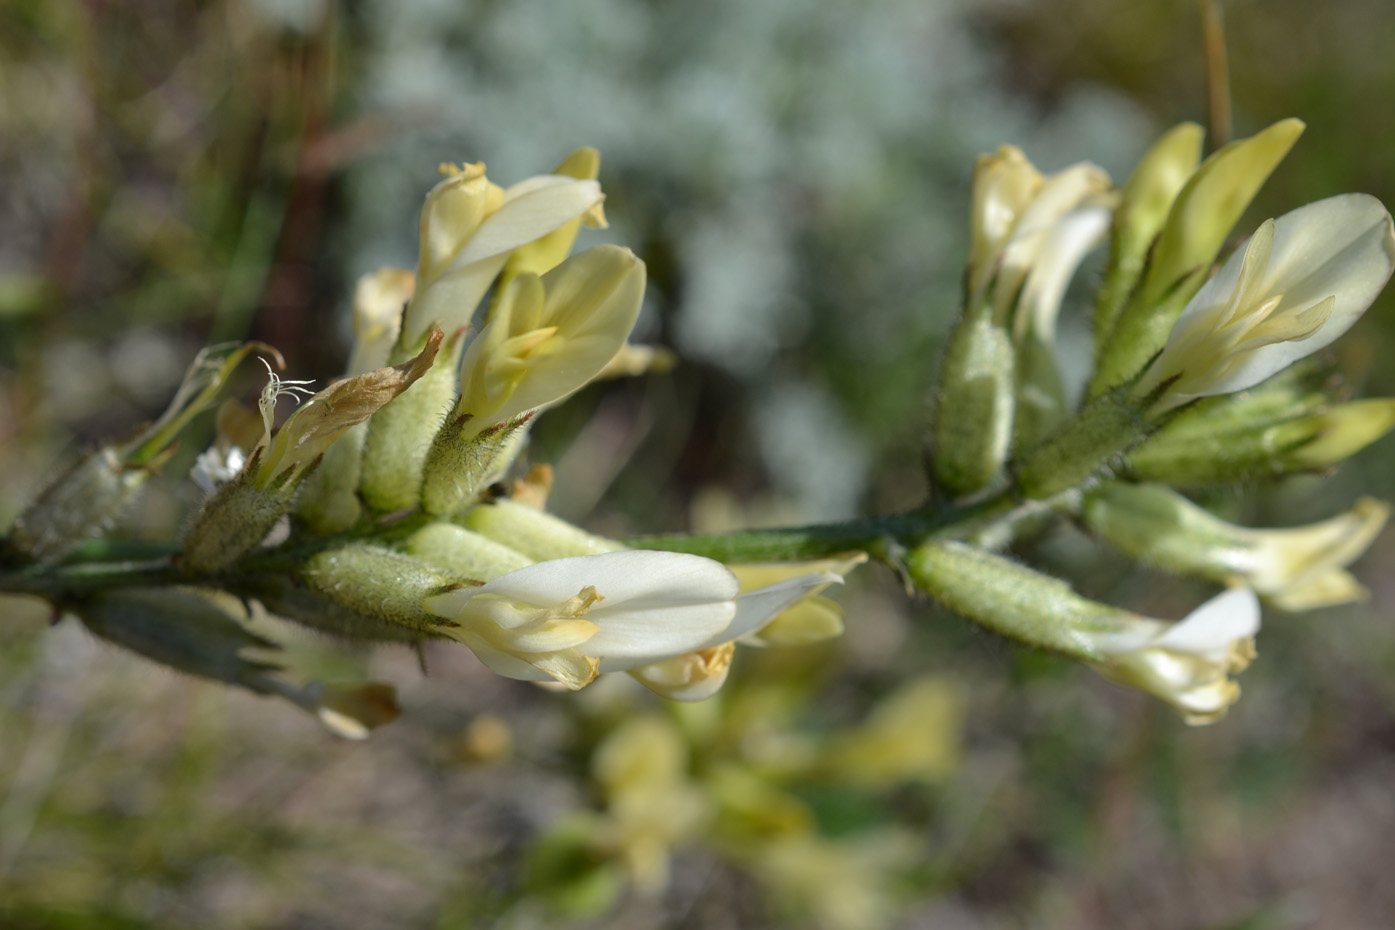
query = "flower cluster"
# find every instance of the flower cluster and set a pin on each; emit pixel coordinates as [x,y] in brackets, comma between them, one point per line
[380,510]
[1194,384]
[362,514]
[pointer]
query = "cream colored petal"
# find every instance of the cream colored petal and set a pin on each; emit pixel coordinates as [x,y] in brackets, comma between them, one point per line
[754,609]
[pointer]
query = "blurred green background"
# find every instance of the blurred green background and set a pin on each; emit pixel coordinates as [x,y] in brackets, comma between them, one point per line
[795,172]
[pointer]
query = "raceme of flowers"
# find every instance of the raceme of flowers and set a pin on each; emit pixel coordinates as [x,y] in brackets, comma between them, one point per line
[387,505]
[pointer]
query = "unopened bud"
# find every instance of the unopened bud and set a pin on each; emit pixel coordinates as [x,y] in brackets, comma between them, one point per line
[358,591]
[400,434]
[1143,209]
[538,535]
[1258,437]
[973,416]
[464,554]
[82,502]
[1338,433]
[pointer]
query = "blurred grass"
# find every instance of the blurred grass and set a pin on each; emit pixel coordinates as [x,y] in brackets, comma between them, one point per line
[795,173]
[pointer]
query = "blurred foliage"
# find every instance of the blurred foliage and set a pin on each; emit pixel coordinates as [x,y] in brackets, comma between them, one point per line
[796,175]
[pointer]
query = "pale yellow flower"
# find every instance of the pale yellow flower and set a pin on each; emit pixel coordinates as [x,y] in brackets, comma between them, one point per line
[652,805]
[1297,568]
[550,335]
[1015,216]
[469,229]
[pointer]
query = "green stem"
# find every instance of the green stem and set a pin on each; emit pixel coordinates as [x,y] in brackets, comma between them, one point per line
[60,582]
[99,564]
[992,523]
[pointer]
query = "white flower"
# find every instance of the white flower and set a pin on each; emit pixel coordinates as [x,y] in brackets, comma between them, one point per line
[572,619]
[1186,664]
[1301,282]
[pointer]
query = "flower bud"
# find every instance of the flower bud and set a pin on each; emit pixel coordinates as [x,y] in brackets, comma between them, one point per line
[1004,184]
[1041,401]
[535,533]
[241,513]
[1336,434]
[1146,201]
[464,554]
[1015,215]
[379,301]
[1235,437]
[973,415]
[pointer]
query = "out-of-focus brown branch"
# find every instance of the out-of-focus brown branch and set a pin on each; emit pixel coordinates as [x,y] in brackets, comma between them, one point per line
[1217,73]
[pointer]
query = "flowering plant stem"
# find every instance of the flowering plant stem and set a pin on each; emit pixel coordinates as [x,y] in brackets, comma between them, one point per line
[101,563]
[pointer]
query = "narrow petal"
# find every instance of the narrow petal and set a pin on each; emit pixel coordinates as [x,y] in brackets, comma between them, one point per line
[1229,616]
[629,637]
[636,578]
[500,662]
[1066,246]
[531,209]
[755,609]
[693,676]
